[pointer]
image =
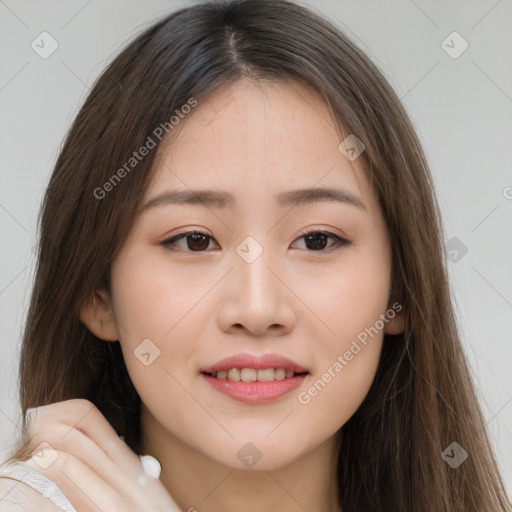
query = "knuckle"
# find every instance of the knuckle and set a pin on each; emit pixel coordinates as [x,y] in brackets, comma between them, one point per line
[81,404]
[39,432]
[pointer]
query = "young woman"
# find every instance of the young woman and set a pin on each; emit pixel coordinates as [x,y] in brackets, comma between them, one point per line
[241,274]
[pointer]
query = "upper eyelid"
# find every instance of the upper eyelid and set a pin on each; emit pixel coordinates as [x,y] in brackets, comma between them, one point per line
[302,233]
[340,239]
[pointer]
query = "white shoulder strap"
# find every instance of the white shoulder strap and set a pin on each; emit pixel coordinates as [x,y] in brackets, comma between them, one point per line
[19,470]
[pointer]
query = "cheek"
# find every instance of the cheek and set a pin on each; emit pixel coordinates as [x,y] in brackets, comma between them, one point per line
[343,299]
[155,297]
[155,308]
[347,302]
[337,391]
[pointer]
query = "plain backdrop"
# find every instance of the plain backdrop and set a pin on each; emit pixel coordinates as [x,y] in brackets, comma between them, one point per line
[460,103]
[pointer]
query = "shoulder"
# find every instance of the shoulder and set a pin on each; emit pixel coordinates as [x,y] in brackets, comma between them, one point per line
[16,496]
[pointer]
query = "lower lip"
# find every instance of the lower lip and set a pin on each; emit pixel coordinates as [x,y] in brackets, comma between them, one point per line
[256,392]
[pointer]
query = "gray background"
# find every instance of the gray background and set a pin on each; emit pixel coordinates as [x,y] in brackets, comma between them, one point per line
[460,106]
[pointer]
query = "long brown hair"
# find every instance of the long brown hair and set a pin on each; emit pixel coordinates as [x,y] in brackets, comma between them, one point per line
[422,398]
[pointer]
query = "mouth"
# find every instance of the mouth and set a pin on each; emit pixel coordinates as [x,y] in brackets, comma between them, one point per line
[255,379]
[254,374]
[249,367]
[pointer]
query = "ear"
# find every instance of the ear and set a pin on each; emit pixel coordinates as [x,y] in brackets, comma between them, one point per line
[395,324]
[97,315]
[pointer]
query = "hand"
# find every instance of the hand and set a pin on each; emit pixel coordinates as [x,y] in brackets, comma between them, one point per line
[92,467]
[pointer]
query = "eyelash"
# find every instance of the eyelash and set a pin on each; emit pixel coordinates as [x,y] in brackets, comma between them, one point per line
[340,242]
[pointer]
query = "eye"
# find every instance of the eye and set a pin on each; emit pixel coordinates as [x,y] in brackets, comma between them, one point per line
[317,240]
[195,241]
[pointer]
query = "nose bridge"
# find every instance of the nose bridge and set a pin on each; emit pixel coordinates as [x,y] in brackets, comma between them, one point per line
[256,299]
[257,285]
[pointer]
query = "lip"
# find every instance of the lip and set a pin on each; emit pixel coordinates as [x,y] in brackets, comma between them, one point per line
[257,362]
[256,392]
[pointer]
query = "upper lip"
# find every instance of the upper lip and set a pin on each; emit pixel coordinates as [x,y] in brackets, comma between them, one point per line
[257,362]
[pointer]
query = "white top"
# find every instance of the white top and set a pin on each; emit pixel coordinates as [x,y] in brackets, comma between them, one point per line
[20,470]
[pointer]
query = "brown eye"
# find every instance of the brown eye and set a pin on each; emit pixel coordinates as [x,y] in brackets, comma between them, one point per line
[195,241]
[316,241]
[319,241]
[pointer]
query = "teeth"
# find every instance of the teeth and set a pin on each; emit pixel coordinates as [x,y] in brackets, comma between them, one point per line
[248,374]
[265,374]
[234,374]
[279,373]
[252,374]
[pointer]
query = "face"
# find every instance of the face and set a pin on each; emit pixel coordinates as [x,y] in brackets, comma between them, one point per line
[267,272]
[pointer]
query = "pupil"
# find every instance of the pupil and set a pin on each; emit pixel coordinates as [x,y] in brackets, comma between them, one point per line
[197,239]
[315,241]
[318,239]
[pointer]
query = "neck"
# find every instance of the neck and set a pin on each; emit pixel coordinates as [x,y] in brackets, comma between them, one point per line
[199,483]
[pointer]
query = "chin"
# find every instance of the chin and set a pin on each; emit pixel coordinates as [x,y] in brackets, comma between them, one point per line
[255,455]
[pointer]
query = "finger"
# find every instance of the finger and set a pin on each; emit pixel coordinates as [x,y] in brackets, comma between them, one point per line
[61,438]
[84,416]
[84,489]
[81,416]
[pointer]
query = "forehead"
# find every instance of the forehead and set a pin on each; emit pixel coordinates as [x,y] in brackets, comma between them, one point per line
[258,138]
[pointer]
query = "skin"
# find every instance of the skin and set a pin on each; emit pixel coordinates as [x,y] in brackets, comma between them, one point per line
[73,445]
[253,140]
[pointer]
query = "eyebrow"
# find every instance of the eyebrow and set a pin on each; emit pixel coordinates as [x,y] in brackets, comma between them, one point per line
[222,200]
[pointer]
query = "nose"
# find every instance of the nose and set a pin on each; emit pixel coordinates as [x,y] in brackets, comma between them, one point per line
[256,298]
